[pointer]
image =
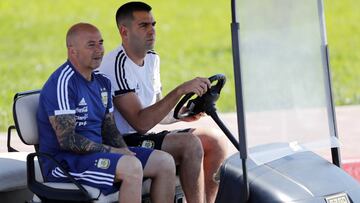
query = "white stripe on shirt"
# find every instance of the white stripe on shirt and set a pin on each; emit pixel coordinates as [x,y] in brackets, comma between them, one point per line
[62,88]
[58,87]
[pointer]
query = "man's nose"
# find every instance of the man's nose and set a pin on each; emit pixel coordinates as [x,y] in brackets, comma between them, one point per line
[99,48]
[152,29]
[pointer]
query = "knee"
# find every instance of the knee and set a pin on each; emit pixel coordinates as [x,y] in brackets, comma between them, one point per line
[129,168]
[214,141]
[193,148]
[166,164]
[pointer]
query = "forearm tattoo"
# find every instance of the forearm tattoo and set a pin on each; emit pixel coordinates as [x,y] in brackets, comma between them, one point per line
[110,133]
[64,126]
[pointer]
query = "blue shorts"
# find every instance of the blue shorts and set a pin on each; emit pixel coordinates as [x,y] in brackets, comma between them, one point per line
[95,170]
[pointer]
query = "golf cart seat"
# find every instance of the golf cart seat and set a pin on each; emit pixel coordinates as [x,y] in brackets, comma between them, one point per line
[24,112]
[13,173]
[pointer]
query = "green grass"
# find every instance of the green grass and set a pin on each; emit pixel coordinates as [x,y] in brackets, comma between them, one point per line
[344,42]
[193,39]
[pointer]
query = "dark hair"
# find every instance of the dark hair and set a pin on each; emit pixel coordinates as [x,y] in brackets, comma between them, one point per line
[125,12]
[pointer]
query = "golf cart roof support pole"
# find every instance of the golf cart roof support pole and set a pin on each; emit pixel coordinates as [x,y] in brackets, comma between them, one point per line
[239,97]
[335,152]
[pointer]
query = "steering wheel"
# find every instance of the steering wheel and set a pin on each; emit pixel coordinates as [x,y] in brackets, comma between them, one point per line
[205,103]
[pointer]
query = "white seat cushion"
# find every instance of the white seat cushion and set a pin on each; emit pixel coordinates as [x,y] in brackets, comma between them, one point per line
[94,192]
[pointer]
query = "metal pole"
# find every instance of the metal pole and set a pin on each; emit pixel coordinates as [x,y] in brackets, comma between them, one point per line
[239,98]
[335,152]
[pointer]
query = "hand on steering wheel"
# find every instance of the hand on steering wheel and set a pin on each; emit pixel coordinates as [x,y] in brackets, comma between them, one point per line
[204,103]
[192,117]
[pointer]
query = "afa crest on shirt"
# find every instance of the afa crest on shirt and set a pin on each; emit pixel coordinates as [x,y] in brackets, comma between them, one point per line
[104,97]
[103,163]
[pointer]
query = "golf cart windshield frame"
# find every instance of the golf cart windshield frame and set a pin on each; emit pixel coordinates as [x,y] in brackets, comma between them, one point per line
[239,88]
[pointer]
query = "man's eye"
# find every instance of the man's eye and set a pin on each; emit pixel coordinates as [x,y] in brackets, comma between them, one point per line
[91,45]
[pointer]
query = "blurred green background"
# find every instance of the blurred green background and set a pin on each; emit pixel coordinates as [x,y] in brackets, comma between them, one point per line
[193,39]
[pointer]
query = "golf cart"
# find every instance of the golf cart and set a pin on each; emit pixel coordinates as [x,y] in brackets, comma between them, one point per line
[284,102]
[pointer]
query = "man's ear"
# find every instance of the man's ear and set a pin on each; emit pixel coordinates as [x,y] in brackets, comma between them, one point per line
[72,50]
[123,31]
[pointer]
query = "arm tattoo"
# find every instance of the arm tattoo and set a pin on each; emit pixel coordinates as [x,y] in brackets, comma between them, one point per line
[110,133]
[64,126]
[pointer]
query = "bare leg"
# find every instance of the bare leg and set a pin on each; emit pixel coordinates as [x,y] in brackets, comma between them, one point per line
[188,153]
[161,169]
[215,152]
[129,171]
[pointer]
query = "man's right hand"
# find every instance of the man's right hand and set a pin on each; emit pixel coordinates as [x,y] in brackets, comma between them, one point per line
[198,85]
[123,150]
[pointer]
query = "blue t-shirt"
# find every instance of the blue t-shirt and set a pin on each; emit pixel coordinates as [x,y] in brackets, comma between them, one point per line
[68,92]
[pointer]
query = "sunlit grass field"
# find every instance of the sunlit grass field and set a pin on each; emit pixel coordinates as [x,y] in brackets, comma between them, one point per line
[193,39]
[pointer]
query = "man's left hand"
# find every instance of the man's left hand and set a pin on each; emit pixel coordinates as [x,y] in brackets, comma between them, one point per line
[191,118]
